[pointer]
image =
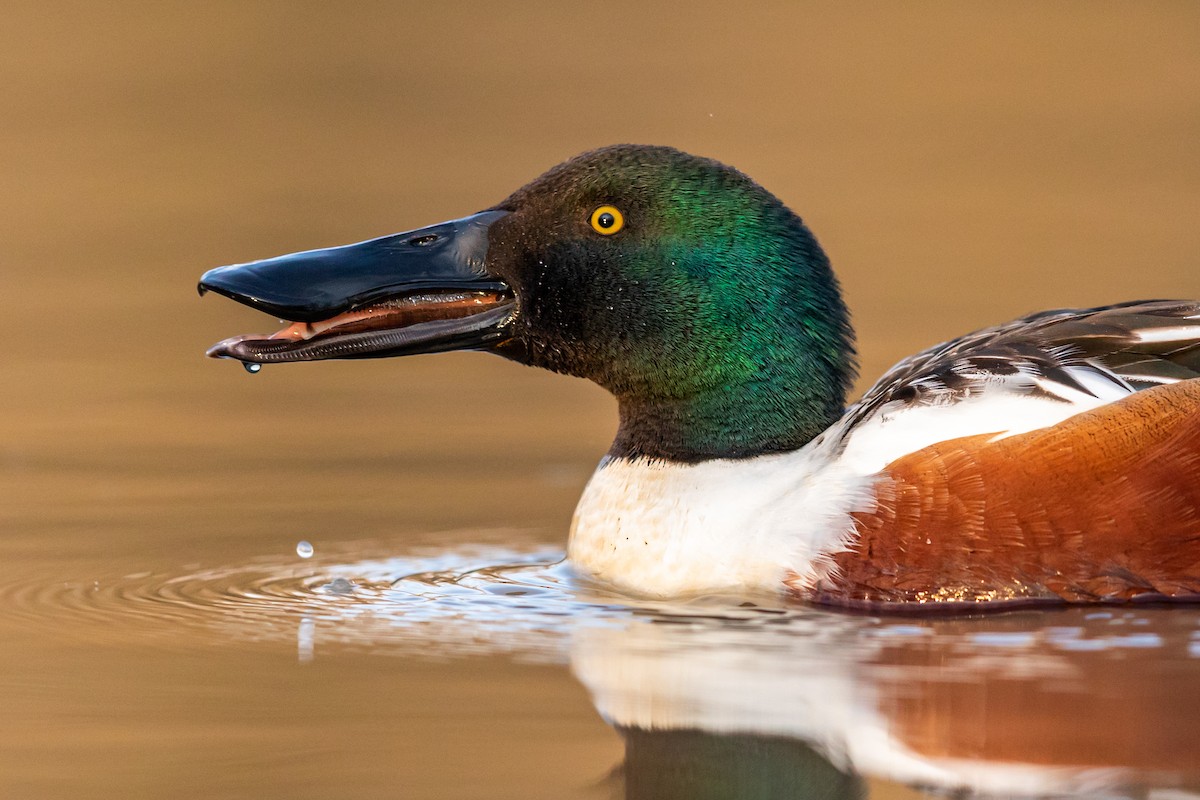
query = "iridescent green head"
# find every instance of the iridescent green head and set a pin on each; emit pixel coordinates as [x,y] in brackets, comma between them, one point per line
[677,283]
[709,310]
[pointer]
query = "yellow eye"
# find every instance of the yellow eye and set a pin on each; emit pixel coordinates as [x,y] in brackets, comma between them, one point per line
[607,220]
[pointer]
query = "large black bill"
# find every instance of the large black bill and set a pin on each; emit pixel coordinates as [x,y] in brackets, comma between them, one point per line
[425,291]
[319,284]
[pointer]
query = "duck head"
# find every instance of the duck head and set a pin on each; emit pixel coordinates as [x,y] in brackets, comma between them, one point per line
[677,283]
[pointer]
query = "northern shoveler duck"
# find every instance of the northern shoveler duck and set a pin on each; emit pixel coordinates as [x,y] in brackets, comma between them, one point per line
[1053,458]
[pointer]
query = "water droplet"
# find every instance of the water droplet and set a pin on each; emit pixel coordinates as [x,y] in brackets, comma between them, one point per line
[250,367]
[304,549]
[339,586]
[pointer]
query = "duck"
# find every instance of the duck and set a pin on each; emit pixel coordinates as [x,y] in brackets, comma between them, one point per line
[1052,459]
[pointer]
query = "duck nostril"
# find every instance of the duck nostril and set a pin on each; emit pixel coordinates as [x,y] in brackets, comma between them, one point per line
[423,241]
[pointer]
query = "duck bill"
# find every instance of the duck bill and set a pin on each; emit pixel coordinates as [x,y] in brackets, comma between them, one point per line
[423,291]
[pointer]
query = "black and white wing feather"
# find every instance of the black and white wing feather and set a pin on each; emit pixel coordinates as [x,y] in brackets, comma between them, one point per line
[1075,358]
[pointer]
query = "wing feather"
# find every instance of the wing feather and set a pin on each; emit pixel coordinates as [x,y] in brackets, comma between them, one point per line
[1031,373]
[1060,355]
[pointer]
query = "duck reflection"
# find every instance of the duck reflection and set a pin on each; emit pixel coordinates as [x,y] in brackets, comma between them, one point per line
[697,765]
[724,698]
[1071,702]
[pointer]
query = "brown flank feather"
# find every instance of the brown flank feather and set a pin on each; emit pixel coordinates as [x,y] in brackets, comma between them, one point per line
[1104,507]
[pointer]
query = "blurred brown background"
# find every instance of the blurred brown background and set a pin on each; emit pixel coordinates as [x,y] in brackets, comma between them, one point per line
[961,163]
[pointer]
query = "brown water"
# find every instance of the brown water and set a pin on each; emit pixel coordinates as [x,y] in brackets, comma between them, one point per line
[161,636]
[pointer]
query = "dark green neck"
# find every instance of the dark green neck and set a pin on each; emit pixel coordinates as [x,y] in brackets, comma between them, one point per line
[773,413]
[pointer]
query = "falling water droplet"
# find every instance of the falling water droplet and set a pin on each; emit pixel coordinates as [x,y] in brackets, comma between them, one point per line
[251,367]
[304,549]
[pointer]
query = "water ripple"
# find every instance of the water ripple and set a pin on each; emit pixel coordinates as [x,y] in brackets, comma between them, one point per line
[524,601]
[459,601]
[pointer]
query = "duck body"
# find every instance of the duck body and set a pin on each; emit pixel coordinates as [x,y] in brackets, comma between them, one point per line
[1009,488]
[1052,459]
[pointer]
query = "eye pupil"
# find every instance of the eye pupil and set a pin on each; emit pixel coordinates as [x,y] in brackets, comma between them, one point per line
[606,220]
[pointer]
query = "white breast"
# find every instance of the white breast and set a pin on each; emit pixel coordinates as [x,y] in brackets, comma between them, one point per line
[661,529]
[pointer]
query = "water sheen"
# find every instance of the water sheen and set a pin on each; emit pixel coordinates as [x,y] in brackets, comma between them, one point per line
[812,699]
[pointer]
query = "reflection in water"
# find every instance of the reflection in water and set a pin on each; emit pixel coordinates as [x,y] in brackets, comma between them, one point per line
[699,765]
[1047,703]
[726,698]
[305,635]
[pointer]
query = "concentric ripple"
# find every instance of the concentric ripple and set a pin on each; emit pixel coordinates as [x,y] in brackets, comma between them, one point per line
[480,599]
